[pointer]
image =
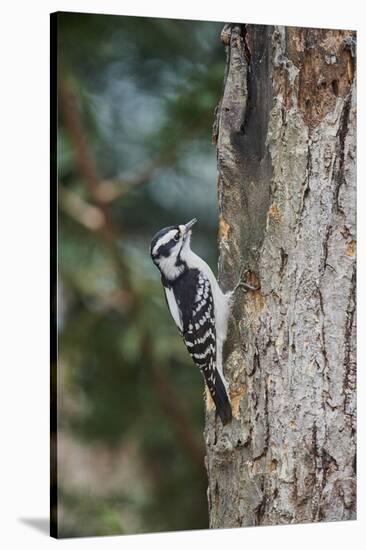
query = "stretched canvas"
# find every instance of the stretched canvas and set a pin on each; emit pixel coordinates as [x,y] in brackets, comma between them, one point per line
[203,369]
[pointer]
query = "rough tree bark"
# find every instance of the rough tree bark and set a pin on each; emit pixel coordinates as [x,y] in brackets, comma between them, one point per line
[285,130]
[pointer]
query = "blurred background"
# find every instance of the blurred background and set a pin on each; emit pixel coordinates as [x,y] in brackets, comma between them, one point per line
[136,103]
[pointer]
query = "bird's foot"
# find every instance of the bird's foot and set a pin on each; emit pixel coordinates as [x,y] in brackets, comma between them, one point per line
[242,282]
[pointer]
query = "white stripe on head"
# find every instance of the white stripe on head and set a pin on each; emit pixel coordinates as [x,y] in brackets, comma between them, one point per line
[167,265]
[164,239]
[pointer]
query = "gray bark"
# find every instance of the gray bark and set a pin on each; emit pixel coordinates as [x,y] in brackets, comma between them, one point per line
[285,130]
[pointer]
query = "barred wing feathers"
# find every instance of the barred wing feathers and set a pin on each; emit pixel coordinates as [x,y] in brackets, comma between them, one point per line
[199,335]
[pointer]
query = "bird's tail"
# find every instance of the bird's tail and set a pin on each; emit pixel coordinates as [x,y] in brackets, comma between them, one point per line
[220,398]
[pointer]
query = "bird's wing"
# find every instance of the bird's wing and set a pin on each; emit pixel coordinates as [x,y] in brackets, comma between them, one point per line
[199,336]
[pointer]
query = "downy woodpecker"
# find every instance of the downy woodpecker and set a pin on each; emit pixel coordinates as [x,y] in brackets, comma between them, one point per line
[198,306]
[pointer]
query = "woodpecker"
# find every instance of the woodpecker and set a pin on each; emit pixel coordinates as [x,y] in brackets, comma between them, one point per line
[198,306]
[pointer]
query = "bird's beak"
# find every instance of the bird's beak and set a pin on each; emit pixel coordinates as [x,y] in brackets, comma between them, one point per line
[189,225]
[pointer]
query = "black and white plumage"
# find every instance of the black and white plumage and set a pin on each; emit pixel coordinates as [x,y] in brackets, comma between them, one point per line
[198,306]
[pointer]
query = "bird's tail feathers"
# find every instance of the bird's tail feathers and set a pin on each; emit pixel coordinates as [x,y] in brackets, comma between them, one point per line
[220,398]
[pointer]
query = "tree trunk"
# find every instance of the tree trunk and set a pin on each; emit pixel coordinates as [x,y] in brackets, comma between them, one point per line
[286,145]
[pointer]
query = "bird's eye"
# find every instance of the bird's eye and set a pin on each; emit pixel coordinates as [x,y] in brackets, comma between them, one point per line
[176,237]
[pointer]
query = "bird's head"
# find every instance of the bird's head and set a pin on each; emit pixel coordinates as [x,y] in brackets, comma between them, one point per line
[170,248]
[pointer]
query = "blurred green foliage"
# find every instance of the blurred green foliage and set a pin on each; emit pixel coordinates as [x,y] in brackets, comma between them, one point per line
[143,93]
